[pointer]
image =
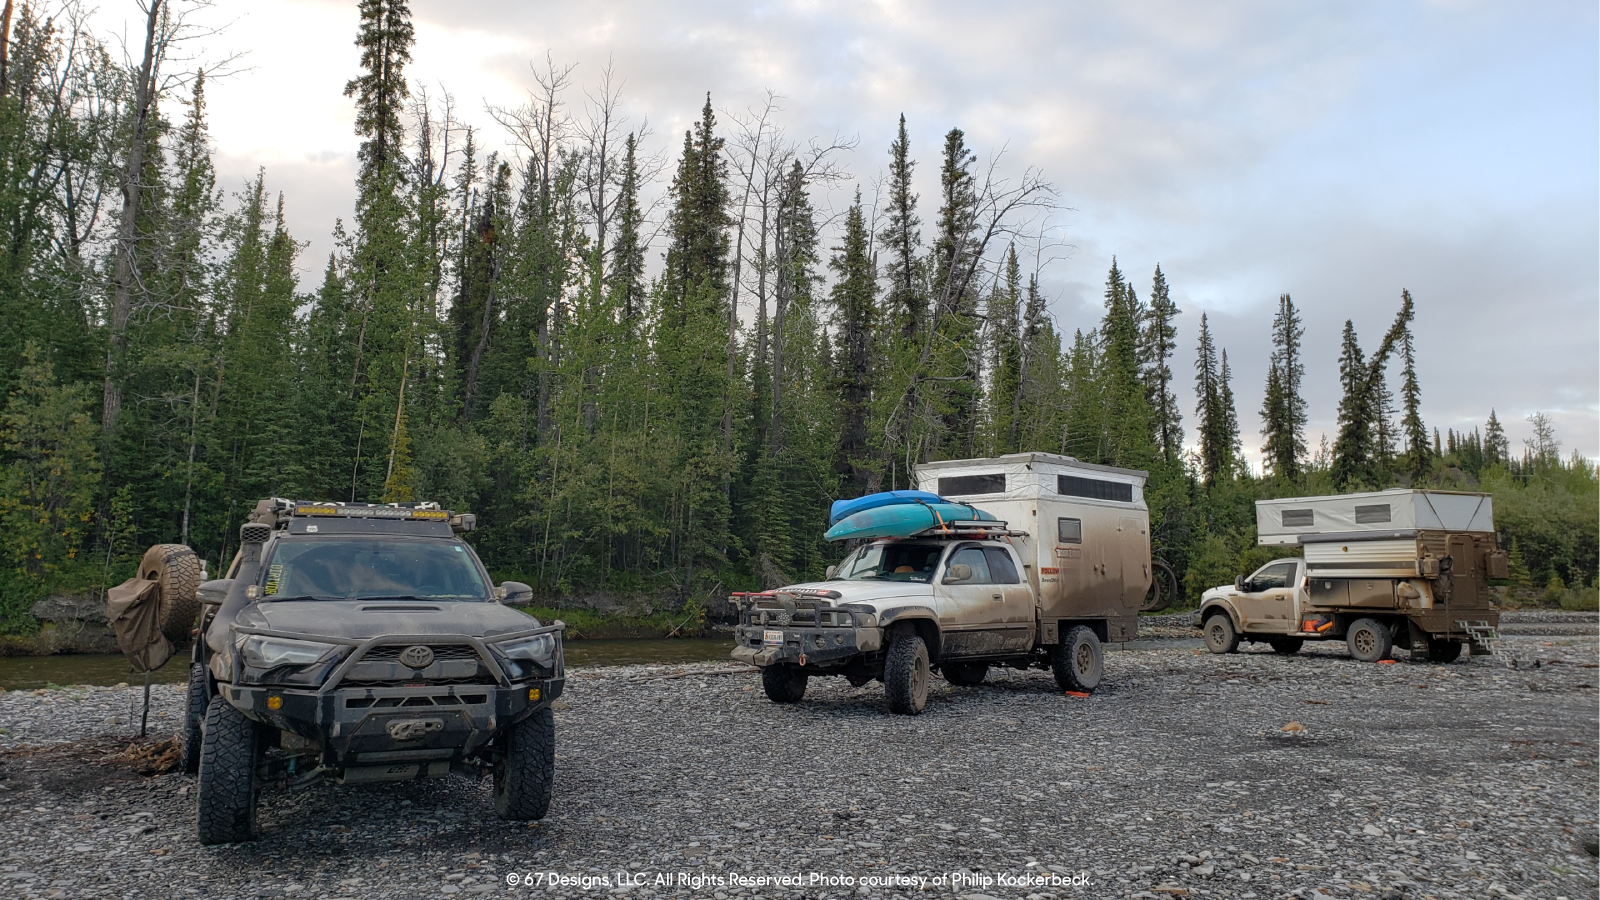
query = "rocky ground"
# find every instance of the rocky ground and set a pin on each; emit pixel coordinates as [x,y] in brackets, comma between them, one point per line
[1186,774]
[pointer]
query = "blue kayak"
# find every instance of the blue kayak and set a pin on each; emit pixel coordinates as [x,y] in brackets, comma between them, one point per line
[843,509]
[903,520]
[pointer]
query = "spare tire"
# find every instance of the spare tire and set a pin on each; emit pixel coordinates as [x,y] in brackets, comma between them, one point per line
[176,571]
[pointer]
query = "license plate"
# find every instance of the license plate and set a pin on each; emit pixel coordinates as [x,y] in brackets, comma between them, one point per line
[772,637]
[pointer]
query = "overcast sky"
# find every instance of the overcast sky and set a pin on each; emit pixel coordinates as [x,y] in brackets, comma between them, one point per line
[1336,151]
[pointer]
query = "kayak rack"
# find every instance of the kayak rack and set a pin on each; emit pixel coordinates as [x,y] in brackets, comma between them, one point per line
[972,528]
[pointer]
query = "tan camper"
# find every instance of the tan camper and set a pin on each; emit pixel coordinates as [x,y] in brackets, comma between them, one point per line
[1398,567]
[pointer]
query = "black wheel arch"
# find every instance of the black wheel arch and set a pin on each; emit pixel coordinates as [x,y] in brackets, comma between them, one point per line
[916,620]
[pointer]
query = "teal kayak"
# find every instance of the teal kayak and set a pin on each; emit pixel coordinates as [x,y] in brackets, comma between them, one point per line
[844,509]
[903,520]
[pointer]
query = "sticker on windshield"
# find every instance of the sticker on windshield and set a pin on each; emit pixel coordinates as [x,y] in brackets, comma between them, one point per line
[274,575]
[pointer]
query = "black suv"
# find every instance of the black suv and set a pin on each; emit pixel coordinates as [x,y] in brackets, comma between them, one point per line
[360,643]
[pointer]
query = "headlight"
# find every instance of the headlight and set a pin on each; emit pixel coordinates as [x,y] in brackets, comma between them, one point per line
[271,652]
[539,649]
[866,620]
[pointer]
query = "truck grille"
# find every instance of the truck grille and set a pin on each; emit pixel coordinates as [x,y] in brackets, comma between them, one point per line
[440,651]
[453,664]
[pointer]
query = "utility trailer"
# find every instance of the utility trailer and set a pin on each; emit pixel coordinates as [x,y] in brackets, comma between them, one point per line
[1379,569]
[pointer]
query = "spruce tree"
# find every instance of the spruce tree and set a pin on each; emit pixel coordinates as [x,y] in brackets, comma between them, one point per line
[1233,459]
[1496,447]
[1357,455]
[955,309]
[1160,341]
[625,279]
[1005,347]
[1127,436]
[854,299]
[1215,443]
[1283,410]
[1416,435]
[900,239]
[385,38]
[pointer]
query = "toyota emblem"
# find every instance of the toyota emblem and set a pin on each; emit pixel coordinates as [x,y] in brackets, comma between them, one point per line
[417,657]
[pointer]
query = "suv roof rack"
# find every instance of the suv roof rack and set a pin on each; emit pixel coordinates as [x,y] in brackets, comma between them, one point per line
[971,529]
[278,511]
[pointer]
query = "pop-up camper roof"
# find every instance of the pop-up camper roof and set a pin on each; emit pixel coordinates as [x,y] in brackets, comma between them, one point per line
[1031,476]
[1286,521]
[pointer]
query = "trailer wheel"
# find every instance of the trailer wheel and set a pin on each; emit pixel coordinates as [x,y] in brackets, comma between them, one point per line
[906,674]
[227,788]
[1221,636]
[784,684]
[1078,661]
[1369,640]
[1443,650]
[965,674]
[1286,646]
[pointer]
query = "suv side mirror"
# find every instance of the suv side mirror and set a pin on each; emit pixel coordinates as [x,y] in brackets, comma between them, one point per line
[514,593]
[1240,585]
[828,575]
[214,591]
[958,572]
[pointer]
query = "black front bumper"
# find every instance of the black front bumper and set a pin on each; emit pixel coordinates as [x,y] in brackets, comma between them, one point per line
[369,711]
[371,726]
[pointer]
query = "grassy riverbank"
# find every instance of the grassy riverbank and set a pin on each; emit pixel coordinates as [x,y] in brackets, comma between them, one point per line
[586,623]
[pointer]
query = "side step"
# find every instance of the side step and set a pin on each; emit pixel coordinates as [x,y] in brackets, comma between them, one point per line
[1484,635]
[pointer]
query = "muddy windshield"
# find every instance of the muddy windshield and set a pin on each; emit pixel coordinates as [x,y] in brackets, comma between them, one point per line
[891,561]
[369,568]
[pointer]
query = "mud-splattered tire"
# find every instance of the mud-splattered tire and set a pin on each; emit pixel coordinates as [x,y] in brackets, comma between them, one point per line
[965,674]
[1286,646]
[784,684]
[906,674]
[1369,640]
[1443,650]
[178,570]
[195,703]
[1221,636]
[227,784]
[526,772]
[1078,661]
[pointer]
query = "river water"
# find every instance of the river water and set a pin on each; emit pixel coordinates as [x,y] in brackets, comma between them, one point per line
[29,672]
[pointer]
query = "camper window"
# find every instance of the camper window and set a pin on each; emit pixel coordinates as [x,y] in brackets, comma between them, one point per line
[1376,514]
[1299,518]
[1094,488]
[967,485]
[1069,531]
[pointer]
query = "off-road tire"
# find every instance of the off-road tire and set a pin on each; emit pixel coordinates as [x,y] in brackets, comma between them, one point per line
[1221,636]
[1444,650]
[1286,646]
[227,785]
[526,770]
[179,604]
[784,684]
[1078,661]
[1369,640]
[1163,590]
[965,674]
[195,703]
[906,674]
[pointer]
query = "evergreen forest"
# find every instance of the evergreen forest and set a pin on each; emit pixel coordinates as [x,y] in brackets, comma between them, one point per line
[647,366]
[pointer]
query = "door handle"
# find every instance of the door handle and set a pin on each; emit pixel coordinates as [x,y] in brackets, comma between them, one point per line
[995,596]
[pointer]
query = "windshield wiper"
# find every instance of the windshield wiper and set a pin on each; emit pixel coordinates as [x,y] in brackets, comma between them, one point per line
[278,598]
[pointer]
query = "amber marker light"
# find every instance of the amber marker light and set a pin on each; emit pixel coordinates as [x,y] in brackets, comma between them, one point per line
[274,702]
[534,694]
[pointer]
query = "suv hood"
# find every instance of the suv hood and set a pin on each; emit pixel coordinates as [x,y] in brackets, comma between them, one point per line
[881,594]
[363,619]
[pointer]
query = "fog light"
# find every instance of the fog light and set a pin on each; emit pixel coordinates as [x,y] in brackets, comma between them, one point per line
[534,694]
[274,703]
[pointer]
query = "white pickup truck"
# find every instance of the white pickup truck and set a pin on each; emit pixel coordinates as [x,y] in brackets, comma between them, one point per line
[1067,573]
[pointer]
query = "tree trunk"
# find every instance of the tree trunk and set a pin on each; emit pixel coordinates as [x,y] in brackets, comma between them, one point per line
[123,274]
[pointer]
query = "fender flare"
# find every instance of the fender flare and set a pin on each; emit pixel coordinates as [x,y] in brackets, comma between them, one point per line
[916,616]
[1227,607]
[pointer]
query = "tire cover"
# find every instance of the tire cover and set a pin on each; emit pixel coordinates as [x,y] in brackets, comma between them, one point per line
[132,610]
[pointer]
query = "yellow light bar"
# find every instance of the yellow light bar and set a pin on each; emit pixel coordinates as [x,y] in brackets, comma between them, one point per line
[316,511]
[429,514]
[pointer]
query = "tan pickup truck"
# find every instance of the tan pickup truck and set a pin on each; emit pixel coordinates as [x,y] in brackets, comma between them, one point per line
[1377,570]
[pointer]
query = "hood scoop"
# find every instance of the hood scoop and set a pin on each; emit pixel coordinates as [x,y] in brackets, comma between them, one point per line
[409,607]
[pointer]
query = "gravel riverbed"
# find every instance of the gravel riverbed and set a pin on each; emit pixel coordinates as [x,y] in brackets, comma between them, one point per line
[1176,778]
